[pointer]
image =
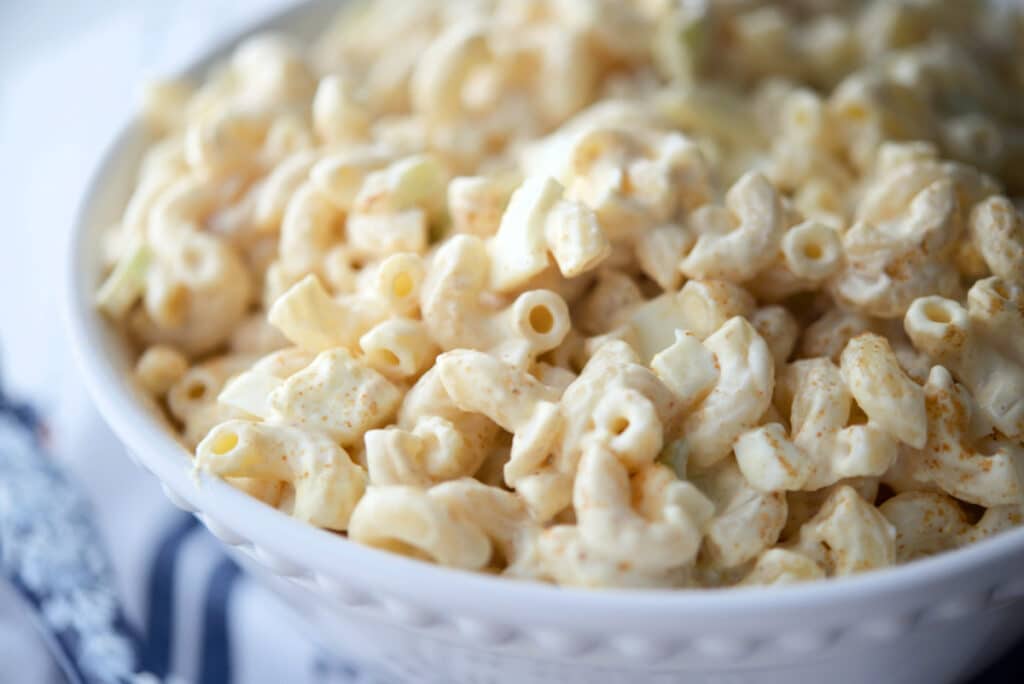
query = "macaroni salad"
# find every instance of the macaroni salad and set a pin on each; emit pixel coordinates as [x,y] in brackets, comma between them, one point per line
[662,293]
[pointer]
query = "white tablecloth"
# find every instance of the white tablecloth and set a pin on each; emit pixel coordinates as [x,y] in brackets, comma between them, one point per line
[69,71]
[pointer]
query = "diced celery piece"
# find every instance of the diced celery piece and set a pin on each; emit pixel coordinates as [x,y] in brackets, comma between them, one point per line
[126,282]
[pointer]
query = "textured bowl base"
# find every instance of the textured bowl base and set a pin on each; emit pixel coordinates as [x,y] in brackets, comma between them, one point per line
[956,648]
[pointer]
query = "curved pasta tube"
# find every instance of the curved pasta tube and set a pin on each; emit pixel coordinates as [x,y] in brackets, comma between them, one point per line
[197,291]
[341,176]
[226,141]
[736,241]
[337,394]
[512,398]
[997,231]
[700,307]
[313,320]
[868,109]
[633,180]
[537,222]
[398,348]
[337,117]
[327,483]
[558,554]
[613,377]
[927,523]
[432,452]
[810,253]
[434,439]
[452,306]
[603,308]
[827,336]
[981,471]
[480,383]
[889,398]
[397,282]
[782,566]
[739,398]
[958,339]
[441,73]
[659,251]
[458,524]
[476,204]
[159,368]
[779,330]
[279,186]
[664,531]
[848,535]
[804,504]
[180,209]
[310,227]
[162,167]
[824,448]
[268,73]
[996,308]
[192,400]
[745,522]
[891,263]
[905,171]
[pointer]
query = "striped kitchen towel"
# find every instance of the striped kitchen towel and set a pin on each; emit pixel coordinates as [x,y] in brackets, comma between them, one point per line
[192,613]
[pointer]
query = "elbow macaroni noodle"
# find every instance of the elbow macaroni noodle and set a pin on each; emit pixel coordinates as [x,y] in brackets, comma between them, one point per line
[545,290]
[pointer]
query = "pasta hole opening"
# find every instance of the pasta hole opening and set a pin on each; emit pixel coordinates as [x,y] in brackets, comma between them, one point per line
[937,313]
[173,305]
[1000,289]
[619,425]
[192,258]
[401,286]
[224,443]
[813,251]
[855,111]
[386,357]
[542,321]
[336,229]
[498,561]
[801,117]
[196,390]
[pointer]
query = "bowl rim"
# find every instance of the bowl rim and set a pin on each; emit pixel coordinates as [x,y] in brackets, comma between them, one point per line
[330,554]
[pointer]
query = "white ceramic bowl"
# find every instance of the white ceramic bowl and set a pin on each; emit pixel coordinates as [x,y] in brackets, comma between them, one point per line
[933,621]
